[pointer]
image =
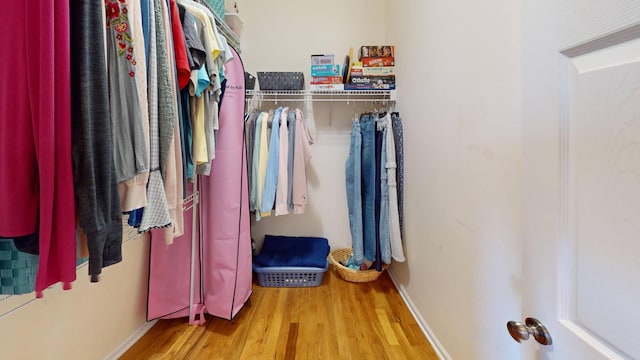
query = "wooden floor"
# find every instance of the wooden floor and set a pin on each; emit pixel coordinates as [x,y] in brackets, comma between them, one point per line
[337,320]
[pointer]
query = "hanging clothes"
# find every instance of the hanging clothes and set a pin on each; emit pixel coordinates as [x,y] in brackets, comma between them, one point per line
[36,179]
[133,191]
[371,184]
[156,213]
[95,181]
[395,235]
[398,138]
[273,161]
[282,185]
[302,150]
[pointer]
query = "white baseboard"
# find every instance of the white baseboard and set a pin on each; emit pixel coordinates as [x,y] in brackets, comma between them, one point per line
[115,354]
[435,343]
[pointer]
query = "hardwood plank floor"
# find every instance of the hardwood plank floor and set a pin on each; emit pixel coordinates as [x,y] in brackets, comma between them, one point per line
[336,320]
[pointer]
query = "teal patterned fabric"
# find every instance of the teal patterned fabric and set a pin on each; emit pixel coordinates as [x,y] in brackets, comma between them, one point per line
[17,270]
[217,6]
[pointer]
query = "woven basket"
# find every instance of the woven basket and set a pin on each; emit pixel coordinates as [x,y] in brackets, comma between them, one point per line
[281,80]
[338,255]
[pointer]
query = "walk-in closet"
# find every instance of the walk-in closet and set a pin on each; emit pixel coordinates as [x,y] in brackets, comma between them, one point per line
[504,208]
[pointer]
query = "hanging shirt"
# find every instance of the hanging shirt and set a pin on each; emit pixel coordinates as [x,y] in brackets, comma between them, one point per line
[263,152]
[302,156]
[173,177]
[179,46]
[156,214]
[253,197]
[128,135]
[291,123]
[96,188]
[133,192]
[198,85]
[250,131]
[282,189]
[35,134]
[271,177]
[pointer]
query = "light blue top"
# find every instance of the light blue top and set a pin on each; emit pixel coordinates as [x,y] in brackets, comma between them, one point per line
[271,179]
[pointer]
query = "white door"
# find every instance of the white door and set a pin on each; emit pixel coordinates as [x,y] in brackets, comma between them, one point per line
[581,136]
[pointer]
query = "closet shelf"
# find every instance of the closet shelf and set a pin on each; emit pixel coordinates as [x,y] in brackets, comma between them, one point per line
[324,95]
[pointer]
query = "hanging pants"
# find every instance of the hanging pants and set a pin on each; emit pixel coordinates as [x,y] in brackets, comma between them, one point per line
[36,180]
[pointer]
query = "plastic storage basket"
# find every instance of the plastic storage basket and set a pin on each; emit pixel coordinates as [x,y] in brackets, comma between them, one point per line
[273,276]
[281,80]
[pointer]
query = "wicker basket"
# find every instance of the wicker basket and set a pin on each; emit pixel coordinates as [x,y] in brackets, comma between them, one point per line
[338,255]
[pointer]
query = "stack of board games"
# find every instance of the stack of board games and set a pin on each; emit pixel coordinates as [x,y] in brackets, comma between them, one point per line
[374,70]
[325,74]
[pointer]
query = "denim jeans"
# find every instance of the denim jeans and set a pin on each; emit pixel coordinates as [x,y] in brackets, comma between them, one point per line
[368,128]
[397,135]
[354,192]
[378,194]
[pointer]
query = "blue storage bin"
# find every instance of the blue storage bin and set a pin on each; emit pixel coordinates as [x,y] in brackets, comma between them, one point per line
[287,261]
[275,276]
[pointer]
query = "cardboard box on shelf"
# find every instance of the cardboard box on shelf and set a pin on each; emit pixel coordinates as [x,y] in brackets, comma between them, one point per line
[376,51]
[326,80]
[372,71]
[326,87]
[325,70]
[369,86]
[389,79]
[378,61]
[322,59]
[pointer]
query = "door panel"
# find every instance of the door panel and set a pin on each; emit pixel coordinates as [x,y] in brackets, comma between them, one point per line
[581,139]
[603,195]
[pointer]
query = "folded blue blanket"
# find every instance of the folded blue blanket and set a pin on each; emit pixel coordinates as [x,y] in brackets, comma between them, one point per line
[294,251]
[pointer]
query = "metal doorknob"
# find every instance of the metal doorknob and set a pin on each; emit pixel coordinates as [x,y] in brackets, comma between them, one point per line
[531,326]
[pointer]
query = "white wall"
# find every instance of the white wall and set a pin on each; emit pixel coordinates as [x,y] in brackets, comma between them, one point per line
[87,322]
[459,75]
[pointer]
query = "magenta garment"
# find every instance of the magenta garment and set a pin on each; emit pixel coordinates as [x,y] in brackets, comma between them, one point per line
[36,179]
[223,274]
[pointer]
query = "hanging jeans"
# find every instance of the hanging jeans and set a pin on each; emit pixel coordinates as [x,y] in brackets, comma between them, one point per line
[368,168]
[354,192]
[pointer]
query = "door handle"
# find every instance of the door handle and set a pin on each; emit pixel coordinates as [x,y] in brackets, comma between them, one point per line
[531,326]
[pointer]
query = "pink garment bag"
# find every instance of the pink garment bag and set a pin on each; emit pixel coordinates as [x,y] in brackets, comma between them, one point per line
[222,277]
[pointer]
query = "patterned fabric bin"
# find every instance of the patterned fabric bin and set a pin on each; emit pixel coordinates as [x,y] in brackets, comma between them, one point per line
[281,80]
[17,269]
[218,7]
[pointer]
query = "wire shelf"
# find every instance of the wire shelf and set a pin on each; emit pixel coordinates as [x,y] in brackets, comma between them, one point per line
[322,95]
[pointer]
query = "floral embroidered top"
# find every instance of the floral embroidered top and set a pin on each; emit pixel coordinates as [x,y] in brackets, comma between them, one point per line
[128,134]
[118,20]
